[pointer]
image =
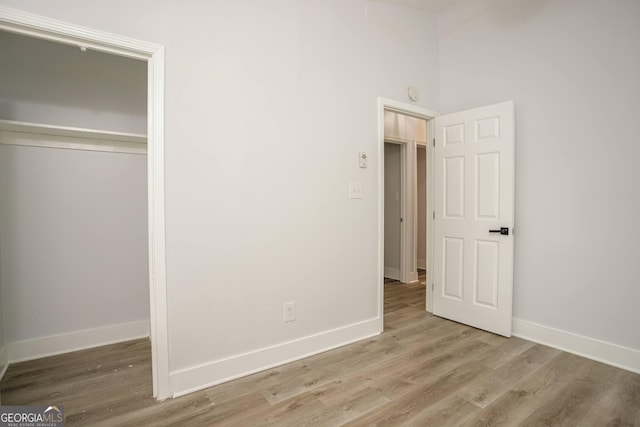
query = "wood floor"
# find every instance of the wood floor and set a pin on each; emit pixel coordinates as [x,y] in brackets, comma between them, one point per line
[422,371]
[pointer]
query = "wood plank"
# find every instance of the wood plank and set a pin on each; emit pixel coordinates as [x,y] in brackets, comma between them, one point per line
[531,392]
[484,392]
[411,404]
[452,410]
[349,407]
[620,403]
[571,405]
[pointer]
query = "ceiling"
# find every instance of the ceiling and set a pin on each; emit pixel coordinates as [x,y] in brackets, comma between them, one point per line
[431,6]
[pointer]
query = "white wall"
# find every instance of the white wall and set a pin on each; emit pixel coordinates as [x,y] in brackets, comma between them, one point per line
[392,209]
[572,68]
[73,244]
[267,107]
[46,82]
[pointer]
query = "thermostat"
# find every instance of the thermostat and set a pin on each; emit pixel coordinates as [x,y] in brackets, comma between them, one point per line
[362,159]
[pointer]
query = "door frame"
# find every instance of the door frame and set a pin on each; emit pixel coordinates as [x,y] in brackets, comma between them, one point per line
[32,25]
[403,274]
[420,145]
[428,115]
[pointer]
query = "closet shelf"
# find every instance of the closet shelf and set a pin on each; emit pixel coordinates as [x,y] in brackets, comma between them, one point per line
[45,129]
[70,138]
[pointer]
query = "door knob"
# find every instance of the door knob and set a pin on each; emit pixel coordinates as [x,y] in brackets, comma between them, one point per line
[503,230]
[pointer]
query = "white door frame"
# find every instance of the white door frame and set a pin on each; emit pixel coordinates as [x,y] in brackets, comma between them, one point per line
[28,24]
[403,273]
[412,110]
[415,192]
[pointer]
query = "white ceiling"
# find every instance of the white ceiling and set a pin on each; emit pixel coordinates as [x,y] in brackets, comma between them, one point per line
[431,6]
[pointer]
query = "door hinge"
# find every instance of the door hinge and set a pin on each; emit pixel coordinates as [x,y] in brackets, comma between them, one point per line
[432,286]
[434,142]
[401,220]
[434,214]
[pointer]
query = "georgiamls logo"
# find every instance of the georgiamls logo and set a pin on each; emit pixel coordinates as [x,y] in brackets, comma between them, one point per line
[34,416]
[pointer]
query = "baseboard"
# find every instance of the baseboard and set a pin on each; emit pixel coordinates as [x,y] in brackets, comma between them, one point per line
[4,360]
[392,273]
[219,371]
[422,264]
[37,348]
[601,351]
[413,277]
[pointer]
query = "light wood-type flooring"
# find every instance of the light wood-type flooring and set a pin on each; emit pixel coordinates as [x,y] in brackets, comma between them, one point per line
[422,371]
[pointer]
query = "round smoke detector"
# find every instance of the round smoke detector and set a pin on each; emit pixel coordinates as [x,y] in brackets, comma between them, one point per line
[412,93]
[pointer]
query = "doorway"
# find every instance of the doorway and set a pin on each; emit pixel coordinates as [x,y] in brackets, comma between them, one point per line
[404,294]
[19,22]
[404,195]
[409,127]
[393,200]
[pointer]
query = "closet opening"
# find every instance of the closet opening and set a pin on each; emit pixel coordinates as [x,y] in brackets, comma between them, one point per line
[82,227]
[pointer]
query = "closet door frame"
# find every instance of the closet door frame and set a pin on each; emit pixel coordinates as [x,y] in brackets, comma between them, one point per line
[28,24]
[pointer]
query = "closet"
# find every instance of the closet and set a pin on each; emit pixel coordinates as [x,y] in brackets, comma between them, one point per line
[73,198]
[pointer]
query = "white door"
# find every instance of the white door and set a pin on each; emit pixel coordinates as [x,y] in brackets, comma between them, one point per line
[474,204]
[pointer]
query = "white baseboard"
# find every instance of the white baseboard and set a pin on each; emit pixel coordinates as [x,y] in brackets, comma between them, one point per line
[392,273]
[4,360]
[219,371]
[601,351]
[20,351]
[422,264]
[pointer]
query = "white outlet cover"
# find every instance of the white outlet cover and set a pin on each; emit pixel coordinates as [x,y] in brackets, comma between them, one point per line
[289,313]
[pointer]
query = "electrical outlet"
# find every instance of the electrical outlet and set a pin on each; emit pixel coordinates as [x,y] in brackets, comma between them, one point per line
[289,311]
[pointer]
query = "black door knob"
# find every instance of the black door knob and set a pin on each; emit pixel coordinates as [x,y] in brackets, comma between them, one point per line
[503,230]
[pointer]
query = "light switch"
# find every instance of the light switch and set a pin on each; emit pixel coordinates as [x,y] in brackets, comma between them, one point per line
[362,159]
[355,190]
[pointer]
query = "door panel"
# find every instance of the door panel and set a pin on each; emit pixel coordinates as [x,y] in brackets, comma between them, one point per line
[488,186]
[474,193]
[486,273]
[454,263]
[454,187]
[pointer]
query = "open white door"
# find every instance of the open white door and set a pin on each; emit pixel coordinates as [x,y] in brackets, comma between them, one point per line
[474,204]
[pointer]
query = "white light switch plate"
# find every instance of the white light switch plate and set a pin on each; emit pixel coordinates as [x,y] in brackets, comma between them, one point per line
[355,190]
